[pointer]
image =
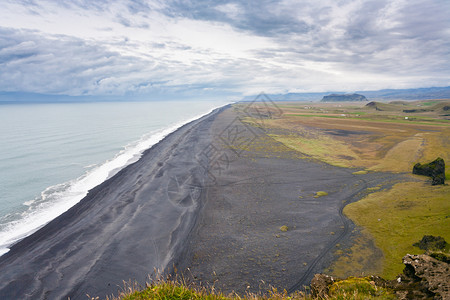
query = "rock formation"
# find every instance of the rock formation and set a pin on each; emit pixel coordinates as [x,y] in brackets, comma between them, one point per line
[424,277]
[434,169]
[320,285]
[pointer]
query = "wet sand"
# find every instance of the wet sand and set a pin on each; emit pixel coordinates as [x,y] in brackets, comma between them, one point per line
[197,200]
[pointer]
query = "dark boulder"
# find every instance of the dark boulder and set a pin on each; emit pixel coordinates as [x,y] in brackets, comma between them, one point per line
[430,242]
[423,278]
[434,169]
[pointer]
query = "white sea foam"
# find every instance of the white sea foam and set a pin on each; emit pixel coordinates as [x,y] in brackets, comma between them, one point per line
[57,199]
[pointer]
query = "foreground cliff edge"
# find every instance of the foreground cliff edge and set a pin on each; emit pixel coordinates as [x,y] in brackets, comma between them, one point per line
[424,277]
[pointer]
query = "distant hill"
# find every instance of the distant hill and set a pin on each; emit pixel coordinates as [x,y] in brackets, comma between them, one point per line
[409,94]
[23,97]
[380,106]
[344,97]
[390,94]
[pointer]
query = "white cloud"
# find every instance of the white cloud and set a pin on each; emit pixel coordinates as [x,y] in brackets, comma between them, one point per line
[117,47]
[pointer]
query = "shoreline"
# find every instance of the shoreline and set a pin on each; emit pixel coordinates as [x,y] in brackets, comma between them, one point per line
[106,237]
[198,199]
[36,217]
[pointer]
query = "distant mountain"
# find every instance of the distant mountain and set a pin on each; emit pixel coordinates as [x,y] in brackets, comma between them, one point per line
[390,94]
[21,97]
[409,94]
[292,96]
[344,97]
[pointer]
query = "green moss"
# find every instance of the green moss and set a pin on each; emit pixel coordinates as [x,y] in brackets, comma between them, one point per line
[320,194]
[359,288]
[362,172]
[373,189]
[171,291]
[284,228]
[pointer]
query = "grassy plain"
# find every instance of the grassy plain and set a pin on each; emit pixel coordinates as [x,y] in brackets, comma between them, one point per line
[370,137]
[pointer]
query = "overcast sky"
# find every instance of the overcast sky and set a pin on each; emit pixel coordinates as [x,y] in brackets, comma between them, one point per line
[184,48]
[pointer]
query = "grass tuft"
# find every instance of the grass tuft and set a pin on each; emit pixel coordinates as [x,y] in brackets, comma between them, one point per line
[320,194]
[358,288]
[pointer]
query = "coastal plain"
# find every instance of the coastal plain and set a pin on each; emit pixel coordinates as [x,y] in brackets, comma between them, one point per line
[252,196]
[372,137]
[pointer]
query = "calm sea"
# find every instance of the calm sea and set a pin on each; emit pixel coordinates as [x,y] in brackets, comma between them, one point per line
[52,154]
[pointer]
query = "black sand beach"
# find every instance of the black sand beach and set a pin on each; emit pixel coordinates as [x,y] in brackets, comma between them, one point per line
[196,200]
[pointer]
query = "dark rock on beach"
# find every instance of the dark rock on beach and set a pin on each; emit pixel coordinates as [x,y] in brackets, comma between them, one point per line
[344,97]
[434,169]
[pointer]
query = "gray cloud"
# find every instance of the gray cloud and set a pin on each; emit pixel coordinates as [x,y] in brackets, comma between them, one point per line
[314,45]
[59,64]
[264,17]
[33,62]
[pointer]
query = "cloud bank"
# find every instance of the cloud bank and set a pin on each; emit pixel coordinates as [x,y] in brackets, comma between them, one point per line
[221,48]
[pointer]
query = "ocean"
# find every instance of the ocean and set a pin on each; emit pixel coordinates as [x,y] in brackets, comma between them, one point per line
[52,154]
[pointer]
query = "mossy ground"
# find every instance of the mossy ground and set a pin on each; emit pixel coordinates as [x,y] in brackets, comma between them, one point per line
[358,288]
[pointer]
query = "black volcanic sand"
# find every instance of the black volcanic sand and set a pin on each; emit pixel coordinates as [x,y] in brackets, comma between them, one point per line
[197,200]
[238,245]
[123,229]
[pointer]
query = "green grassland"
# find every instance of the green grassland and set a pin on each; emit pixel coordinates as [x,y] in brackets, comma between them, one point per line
[377,137]
[401,216]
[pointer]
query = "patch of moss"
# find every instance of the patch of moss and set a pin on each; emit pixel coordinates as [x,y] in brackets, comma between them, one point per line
[362,172]
[320,194]
[373,189]
[284,228]
[359,288]
[362,257]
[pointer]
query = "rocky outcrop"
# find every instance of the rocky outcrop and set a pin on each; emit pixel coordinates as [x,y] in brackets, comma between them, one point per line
[434,169]
[424,277]
[344,97]
[320,285]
